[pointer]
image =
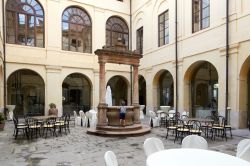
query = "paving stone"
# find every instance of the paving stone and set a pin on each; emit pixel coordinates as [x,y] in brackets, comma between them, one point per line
[79,148]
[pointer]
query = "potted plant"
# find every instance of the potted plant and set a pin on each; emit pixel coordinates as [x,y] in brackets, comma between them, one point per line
[53,110]
[2,121]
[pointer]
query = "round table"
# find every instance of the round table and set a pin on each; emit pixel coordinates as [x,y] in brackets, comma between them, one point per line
[193,157]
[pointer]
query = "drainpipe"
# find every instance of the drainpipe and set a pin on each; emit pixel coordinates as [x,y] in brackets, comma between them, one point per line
[176,55]
[130,47]
[227,57]
[4,59]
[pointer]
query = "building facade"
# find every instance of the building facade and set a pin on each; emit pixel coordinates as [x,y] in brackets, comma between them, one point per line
[50,56]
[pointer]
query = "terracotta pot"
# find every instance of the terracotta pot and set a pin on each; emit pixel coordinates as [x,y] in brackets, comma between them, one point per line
[53,111]
[2,126]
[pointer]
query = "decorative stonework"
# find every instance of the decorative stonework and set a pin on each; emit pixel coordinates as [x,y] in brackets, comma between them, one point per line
[117,54]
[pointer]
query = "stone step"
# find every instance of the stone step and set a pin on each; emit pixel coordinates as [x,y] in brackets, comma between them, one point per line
[144,130]
[120,128]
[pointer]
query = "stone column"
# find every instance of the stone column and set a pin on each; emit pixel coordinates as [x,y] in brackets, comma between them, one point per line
[102,109]
[136,95]
[102,83]
[53,95]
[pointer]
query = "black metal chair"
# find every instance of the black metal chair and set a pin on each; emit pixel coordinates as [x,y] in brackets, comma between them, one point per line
[163,119]
[19,126]
[218,129]
[182,130]
[194,127]
[171,125]
[49,125]
[34,127]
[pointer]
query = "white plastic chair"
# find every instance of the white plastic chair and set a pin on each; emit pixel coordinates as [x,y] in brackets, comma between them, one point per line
[89,116]
[93,118]
[245,154]
[82,117]
[241,146]
[154,118]
[194,141]
[11,113]
[171,113]
[141,111]
[184,113]
[110,159]
[152,145]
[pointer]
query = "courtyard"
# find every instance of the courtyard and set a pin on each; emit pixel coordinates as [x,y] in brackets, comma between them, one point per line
[79,148]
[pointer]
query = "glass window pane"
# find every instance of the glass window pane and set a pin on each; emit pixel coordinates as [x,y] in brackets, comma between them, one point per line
[205,23]
[39,12]
[166,40]
[161,42]
[27,9]
[25,22]
[65,26]
[117,25]
[163,28]
[205,3]
[22,19]
[196,6]
[166,32]
[80,34]
[21,29]
[205,12]
[161,34]
[11,27]
[161,18]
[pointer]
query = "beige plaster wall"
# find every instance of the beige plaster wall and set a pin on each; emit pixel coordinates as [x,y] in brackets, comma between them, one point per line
[54,64]
[204,45]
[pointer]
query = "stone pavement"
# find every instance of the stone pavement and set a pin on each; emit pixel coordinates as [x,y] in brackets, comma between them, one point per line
[79,148]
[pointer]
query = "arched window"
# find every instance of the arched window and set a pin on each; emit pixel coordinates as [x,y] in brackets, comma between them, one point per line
[25,23]
[76,30]
[116,28]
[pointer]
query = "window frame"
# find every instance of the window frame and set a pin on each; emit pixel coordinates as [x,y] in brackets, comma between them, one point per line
[109,30]
[164,27]
[200,12]
[139,39]
[15,15]
[69,31]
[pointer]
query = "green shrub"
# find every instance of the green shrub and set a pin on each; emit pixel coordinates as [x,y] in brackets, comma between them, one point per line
[52,105]
[2,119]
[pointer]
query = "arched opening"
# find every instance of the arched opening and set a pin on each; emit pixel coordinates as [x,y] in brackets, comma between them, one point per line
[76,92]
[204,90]
[26,90]
[142,92]
[244,93]
[166,89]
[119,90]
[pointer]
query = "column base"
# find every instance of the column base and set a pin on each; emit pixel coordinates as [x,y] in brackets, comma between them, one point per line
[136,113]
[102,111]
